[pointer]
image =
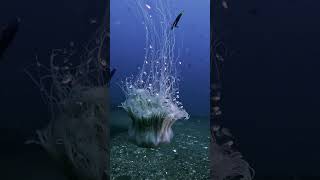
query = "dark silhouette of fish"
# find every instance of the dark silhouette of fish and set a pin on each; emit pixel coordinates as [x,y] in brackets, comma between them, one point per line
[7,34]
[175,23]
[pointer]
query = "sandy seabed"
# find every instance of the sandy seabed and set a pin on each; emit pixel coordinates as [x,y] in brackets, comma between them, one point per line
[186,157]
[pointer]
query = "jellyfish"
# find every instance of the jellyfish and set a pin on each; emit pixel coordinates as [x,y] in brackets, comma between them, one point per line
[152,95]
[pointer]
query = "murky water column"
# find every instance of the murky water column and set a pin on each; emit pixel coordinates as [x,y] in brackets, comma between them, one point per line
[75,88]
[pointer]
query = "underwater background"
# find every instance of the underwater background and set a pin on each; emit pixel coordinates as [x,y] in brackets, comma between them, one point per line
[270,83]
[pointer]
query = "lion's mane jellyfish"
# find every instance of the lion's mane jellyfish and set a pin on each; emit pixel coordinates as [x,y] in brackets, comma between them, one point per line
[152,95]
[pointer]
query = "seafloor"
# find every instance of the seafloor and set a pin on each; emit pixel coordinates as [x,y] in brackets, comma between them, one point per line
[186,157]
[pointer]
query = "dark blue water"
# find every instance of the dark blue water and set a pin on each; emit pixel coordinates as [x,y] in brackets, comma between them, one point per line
[44,26]
[271,97]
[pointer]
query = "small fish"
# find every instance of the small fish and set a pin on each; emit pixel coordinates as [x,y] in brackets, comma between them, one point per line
[175,23]
[7,34]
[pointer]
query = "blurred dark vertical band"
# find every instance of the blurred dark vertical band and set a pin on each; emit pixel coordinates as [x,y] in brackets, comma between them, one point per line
[214,73]
[211,61]
[213,139]
[216,65]
[107,21]
[107,26]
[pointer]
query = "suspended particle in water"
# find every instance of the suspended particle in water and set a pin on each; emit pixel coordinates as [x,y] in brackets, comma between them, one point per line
[216,98]
[66,68]
[150,46]
[71,43]
[67,79]
[56,68]
[148,6]
[93,21]
[103,63]
[145,73]
[219,57]
[65,60]
[216,108]
[146,62]
[229,143]
[180,62]
[174,151]
[218,113]
[65,51]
